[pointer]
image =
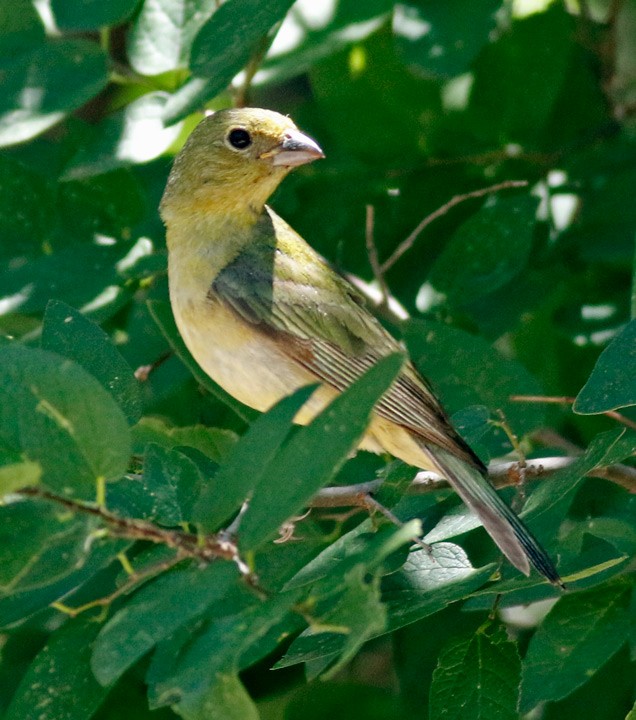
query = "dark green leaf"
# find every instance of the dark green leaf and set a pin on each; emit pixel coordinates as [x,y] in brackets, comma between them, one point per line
[577,637]
[232,485]
[314,454]
[612,383]
[70,334]
[487,251]
[466,370]
[59,684]
[55,413]
[39,545]
[477,678]
[154,613]
[20,27]
[39,87]
[443,39]
[91,14]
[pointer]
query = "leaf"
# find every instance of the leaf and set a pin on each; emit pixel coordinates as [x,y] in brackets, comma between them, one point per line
[59,682]
[225,699]
[612,383]
[162,315]
[314,454]
[429,582]
[155,612]
[91,14]
[244,469]
[466,370]
[132,136]
[163,32]
[222,48]
[54,413]
[70,334]
[487,251]
[185,675]
[605,449]
[215,443]
[477,677]
[352,618]
[39,545]
[20,27]
[19,475]
[40,87]
[443,40]
[578,636]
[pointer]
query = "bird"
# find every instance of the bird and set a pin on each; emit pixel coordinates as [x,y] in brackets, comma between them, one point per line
[264,314]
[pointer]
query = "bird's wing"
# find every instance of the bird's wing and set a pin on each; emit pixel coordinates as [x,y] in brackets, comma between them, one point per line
[288,292]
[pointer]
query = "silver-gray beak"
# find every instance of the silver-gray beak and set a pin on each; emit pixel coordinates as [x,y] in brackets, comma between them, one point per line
[296,149]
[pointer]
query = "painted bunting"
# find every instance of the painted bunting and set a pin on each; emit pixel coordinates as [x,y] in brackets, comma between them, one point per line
[264,314]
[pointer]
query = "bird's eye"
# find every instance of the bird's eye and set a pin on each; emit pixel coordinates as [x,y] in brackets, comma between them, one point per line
[239,138]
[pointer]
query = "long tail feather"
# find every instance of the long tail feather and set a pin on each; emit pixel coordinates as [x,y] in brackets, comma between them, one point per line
[506,529]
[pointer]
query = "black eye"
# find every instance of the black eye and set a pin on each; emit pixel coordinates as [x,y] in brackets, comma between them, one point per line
[239,138]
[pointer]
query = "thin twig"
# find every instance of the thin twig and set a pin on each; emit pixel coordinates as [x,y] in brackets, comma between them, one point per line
[372,254]
[565,400]
[410,240]
[501,475]
[202,548]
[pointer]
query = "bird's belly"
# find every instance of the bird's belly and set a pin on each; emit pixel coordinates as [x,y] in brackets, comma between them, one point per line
[245,363]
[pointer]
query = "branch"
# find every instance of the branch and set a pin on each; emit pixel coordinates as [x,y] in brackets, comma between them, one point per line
[565,400]
[410,240]
[203,548]
[501,474]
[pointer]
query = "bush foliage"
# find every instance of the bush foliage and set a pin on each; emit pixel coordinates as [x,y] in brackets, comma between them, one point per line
[118,596]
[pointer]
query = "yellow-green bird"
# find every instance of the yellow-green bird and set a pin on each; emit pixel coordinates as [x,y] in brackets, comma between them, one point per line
[264,314]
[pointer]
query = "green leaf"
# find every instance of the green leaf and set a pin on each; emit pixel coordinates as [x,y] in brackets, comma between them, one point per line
[162,315]
[55,413]
[226,42]
[477,677]
[307,36]
[91,14]
[225,699]
[466,370]
[429,582]
[612,383]
[487,251]
[353,617]
[605,449]
[132,136]
[443,39]
[40,87]
[59,683]
[186,674]
[19,475]
[39,545]
[20,27]
[577,637]
[70,334]
[163,32]
[314,454]
[154,613]
[631,715]
[244,469]
[215,443]
[222,48]
[533,77]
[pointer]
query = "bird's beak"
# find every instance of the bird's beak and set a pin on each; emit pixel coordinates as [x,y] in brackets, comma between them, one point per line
[295,149]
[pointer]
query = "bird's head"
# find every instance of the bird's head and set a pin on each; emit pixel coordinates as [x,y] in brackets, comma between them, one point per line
[235,159]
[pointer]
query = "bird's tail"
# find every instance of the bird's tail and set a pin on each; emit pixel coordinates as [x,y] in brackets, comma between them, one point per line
[506,529]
